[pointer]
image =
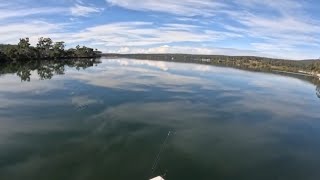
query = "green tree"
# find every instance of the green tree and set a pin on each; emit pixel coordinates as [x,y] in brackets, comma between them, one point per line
[12,52]
[3,57]
[24,43]
[44,47]
[58,49]
[24,50]
[84,52]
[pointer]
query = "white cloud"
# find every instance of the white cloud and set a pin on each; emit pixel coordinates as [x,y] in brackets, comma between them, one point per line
[282,36]
[9,84]
[81,10]
[144,37]
[205,8]
[179,7]
[146,34]
[137,37]
[19,12]
[283,6]
[14,10]
[10,33]
[268,28]
[80,101]
[115,34]
[285,24]
[110,75]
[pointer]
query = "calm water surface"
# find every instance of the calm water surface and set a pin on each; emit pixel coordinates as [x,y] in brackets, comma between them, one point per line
[108,122]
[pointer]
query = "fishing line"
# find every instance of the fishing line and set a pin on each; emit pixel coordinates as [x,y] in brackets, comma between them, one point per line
[156,161]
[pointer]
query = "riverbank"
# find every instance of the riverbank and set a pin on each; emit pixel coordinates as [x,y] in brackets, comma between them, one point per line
[301,74]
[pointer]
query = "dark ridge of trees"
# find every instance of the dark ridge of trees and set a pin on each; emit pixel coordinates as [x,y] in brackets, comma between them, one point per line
[311,67]
[3,57]
[45,49]
[45,69]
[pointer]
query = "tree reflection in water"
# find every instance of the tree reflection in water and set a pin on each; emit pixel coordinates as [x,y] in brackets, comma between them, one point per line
[47,69]
[44,69]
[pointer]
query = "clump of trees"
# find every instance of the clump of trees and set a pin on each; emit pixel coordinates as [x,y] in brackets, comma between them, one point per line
[3,57]
[315,66]
[45,49]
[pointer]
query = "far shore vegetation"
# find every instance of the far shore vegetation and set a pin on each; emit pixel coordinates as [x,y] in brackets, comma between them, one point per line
[45,49]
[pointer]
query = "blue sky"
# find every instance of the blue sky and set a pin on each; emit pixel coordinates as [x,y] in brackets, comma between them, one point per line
[284,28]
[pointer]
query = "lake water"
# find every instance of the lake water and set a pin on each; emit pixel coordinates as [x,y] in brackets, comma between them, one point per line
[109,121]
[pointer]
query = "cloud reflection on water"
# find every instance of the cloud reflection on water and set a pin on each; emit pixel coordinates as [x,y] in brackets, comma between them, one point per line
[224,118]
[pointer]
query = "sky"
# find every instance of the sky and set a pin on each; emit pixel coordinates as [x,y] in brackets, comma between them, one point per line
[287,29]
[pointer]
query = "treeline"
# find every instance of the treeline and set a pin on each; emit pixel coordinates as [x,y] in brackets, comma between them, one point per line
[45,49]
[244,62]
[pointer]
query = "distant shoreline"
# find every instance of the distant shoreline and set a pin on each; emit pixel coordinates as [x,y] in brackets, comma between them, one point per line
[288,72]
[198,55]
